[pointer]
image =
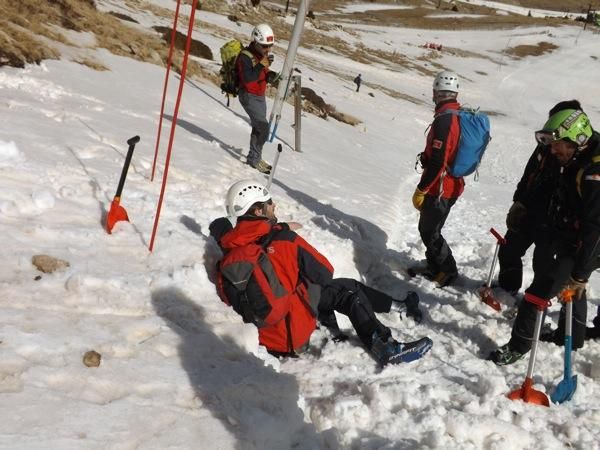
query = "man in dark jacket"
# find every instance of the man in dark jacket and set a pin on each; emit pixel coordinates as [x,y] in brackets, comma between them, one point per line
[253,74]
[357,81]
[574,215]
[527,218]
[298,266]
[437,190]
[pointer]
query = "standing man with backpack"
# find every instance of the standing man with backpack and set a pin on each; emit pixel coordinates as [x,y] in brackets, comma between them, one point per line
[253,73]
[574,248]
[269,273]
[437,190]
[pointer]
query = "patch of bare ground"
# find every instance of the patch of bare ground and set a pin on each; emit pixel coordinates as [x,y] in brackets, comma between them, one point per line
[29,27]
[314,104]
[521,51]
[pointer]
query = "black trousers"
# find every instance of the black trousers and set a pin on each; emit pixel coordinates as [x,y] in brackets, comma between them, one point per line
[551,276]
[359,303]
[433,217]
[510,256]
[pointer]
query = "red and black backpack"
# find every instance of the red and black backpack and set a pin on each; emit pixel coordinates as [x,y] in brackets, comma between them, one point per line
[248,282]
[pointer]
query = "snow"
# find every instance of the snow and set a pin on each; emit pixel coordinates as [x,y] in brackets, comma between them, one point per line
[178,368]
[522,10]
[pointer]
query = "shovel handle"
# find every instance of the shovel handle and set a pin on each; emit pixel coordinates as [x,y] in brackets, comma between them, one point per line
[131,142]
[498,236]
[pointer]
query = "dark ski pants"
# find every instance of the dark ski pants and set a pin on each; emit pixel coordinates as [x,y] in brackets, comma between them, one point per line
[359,303]
[433,217]
[510,256]
[546,284]
[256,108]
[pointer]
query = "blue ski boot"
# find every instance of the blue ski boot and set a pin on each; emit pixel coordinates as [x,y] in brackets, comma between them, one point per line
[391,351]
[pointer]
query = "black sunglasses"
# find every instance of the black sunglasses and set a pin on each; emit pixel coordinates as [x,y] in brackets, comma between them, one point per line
[266,45]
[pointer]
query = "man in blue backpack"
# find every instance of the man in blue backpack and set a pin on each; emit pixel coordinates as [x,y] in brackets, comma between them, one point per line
[437,190]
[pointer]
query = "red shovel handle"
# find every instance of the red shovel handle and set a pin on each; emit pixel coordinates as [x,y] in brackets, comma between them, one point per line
[498,236]
[539,302]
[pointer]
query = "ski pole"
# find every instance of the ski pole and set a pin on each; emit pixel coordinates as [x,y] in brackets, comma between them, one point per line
[279,150]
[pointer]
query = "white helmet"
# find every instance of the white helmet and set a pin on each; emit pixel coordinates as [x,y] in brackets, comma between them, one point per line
[446,81]
[243,194]
[263,34]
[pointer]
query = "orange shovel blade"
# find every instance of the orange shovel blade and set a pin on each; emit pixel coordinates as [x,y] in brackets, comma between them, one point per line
[487,297]
[116,214]
[529,395]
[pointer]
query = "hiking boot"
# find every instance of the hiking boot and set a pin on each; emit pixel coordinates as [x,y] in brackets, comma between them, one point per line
[549,335]
[444,279]
[592,333]
[261,166]
[390,351]
[265,164]
[503,356]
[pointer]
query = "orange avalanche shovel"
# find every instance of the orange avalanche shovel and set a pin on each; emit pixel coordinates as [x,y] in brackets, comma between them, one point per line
[117,212]
[526,392]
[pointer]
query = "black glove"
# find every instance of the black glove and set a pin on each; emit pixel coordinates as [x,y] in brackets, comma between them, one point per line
[412,307]
[271,57]
[516,216]
[273,77]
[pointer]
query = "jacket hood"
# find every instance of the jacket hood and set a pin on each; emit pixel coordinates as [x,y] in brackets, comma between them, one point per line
[248,229]
[446,105]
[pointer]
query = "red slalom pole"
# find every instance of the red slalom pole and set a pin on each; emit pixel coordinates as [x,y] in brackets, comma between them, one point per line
[174,123]
[162,106]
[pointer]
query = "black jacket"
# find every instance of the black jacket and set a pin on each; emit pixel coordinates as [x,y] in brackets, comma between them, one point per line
[537,184]
[575,208]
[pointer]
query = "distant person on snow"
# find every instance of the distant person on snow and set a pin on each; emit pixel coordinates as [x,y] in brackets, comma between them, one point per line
[357,81]
[282,298]
[527,219]
[437,190]
[253,75]
[574,247]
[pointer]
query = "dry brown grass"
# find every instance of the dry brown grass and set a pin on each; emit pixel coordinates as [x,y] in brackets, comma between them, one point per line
[521,51]
[91,63]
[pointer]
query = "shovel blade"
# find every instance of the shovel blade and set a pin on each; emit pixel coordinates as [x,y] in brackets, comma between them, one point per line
[487,297]
[529,395]
[564,390]
[116,214]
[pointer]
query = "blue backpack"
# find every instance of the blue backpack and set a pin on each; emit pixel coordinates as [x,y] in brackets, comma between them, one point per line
[474,138]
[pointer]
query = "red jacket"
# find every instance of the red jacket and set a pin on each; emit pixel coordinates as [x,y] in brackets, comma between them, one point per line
[295,262]
[252,74]
[440,150]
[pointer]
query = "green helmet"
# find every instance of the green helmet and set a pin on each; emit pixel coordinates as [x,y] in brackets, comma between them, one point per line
[571,124]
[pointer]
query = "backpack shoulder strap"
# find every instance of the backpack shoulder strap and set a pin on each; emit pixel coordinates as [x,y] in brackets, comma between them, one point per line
[265,240]
[580,172]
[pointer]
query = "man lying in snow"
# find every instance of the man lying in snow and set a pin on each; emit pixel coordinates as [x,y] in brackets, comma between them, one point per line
[273,278]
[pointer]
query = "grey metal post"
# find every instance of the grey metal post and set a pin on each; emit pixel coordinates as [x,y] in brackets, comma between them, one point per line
[298,113]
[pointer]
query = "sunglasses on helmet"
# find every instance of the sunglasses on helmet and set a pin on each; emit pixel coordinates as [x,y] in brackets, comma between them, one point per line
[546,137]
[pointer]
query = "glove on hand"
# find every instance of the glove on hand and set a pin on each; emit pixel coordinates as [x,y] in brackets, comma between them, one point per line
[516,216]
[265,61]
[418,198]
[273,77]
[271,57]
[573,285]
